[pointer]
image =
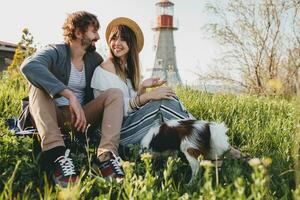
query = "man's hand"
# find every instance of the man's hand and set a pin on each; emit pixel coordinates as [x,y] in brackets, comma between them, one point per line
[77,114]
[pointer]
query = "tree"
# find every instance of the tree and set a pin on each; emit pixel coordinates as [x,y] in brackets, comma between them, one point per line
[260,43]
[24,49]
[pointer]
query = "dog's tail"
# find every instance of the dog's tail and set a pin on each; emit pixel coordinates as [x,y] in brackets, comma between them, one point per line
[218,140]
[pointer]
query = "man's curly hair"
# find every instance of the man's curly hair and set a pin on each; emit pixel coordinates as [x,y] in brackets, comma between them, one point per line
[78,20]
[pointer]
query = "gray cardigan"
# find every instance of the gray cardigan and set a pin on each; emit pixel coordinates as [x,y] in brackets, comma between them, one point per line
[49,69]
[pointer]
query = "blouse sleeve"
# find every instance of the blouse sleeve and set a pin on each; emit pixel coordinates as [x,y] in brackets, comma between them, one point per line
[101,82]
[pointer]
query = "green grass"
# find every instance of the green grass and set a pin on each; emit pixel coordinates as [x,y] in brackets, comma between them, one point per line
[261,127]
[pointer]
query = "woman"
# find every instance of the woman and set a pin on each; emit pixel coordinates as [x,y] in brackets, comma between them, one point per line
[142,109]
[122,70]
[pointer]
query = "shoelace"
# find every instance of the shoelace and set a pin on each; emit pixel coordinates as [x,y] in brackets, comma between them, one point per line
[67,164]
[117,165]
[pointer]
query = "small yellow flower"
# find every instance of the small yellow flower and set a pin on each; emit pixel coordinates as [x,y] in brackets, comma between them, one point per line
[254,162]
[185,196]
[146,156]
[206,163]
[127,164]
[266,161]
[69,193]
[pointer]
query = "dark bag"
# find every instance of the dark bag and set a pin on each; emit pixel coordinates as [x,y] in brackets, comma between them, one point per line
[25,119]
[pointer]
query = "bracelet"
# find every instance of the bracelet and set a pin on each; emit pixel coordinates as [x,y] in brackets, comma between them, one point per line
[133,104]
[130,104]
[136,102]
[139,100]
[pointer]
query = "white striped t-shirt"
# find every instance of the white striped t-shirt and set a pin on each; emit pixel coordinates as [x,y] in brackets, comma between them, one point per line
[77,84]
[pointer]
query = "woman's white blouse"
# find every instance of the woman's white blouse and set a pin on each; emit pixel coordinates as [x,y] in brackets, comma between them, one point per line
[103,80]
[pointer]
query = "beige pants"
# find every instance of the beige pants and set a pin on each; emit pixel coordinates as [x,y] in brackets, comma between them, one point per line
[108,108]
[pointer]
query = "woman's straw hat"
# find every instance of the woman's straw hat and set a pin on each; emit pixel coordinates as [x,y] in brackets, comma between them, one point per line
[132,25]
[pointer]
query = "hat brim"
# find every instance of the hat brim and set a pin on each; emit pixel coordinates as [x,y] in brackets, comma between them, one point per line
[132,25]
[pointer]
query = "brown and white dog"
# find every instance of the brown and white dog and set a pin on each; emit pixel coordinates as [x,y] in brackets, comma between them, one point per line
[192,137]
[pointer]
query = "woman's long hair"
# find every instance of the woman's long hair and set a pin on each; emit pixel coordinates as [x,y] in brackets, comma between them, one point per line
[133,64]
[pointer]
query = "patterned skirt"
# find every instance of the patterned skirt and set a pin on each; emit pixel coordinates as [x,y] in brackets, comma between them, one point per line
[136,125]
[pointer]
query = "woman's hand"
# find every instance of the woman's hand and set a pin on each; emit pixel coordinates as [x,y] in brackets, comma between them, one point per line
[161,93]
[152,82]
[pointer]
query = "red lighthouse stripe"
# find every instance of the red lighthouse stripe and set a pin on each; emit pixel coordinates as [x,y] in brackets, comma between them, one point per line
[165,21]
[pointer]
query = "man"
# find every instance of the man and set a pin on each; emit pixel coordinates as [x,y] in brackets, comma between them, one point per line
[60,92]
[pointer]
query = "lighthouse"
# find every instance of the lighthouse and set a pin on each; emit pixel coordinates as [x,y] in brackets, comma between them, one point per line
[165,65]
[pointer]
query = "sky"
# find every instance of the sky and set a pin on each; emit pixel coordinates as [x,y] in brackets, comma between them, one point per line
[44,19]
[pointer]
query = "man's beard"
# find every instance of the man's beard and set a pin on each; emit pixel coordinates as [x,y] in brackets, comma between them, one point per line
[90,48]
[89,44]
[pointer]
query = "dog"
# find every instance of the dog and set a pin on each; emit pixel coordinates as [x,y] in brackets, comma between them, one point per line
[192,137]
